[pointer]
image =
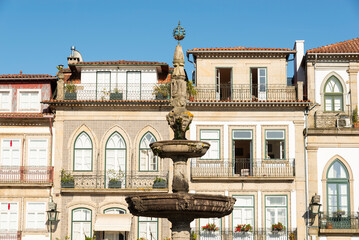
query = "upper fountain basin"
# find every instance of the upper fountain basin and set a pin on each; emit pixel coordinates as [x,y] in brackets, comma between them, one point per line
[184,148]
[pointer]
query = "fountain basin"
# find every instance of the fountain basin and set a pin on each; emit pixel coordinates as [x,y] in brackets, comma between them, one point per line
[180,205]
[183,148]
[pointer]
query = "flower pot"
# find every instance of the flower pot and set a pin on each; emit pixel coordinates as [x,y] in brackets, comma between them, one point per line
[356,125]
[70,96]
[116,96]
[329,225]
[160,96]
[69,184]
[161,184]
[114,184]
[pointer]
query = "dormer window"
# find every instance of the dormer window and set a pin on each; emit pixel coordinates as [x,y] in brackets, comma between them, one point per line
[29,100]
[333,95]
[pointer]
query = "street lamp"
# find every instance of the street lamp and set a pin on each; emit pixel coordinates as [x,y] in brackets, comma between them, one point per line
[314,205]
[52,215]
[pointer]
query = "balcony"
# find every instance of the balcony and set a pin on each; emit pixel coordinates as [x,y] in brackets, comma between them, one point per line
[26,175]
[264,234]
[243,168]
[120,91]
[246,92]
[130,180]
[15,235]
[339,223]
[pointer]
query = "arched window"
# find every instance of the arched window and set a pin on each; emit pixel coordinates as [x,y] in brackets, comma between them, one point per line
[81,223]
[115,167]
[114,211]
[114,235]
[338,189]
[148,161]
[333,95]
[83,153]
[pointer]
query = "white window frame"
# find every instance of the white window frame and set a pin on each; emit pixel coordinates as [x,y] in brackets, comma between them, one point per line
[10,100]
[147,221]
[209,154]
[46,149]
[3,148]
[282,147]
[276,208]
[8,212]
[36,109]
[38,222]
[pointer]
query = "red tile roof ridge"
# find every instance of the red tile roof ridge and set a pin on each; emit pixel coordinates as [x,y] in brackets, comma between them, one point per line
[25,115]
[125,62]
[348,46]
[240,49]
[27,76]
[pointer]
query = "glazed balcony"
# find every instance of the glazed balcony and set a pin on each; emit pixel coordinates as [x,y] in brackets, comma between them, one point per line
[11,235]
[119,91]
[99,180]
[243,168]
[339,222]
[25,175]
[246,92]
[224,234]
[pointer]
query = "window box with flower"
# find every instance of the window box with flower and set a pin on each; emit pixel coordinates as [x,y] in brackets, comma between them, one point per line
[67,180]
[210,227]
[277,228]
[243,228]
[114,178]
[159,183]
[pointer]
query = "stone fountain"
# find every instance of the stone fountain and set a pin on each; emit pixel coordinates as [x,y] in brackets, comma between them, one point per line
[180,207]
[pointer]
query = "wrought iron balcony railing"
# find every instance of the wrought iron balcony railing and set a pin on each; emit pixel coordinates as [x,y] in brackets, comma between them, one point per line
[11,235]
[117,91]
[338,220]
[264,234]
[243,167]
[26,175]
[99,180]
[246,92]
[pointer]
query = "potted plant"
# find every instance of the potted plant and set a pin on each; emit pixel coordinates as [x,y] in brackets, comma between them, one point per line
[193,236]
[159,183]
[191,90]
[243,228]
[340,213]
[162,91]
[116,94]
[70,91]
[114,178]
[355,117]
[67,180]
[210,227]
[277,227]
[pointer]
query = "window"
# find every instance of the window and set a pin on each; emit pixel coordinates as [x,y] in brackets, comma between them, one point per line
[83,153]
[133,85]
[10,152]
[243,212]
[103,85]
[337,189]
[242,152]
[207,235]
[9,214]
[148,161]
[5,100]
[37,152]
[333,95]
[29,100]
[35,215]
[223,84]
[114,211]
[259,83]
[275,144]
[276,210]
[81,223]
[115,155]
[147,228]
[212,137]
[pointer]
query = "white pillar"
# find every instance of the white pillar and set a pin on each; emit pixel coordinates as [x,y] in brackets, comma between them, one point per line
[293,198]
[259,210]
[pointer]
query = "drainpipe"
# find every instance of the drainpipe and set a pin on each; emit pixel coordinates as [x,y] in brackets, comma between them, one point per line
[306,113]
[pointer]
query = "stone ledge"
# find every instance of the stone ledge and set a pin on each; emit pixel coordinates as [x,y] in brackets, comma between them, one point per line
[124,191]
[338,231]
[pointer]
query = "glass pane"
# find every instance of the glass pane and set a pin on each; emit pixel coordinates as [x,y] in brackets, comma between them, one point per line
[242,134]
[328,104]
[275,134]
[244,201]
[209,134]
[276,201]
[337,170]
[337,103]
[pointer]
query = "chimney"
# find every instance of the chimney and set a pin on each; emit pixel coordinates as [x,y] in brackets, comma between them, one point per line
[75,56]
[299,75]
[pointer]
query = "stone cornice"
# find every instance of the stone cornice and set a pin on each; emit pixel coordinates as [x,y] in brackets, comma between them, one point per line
[242,54]
[332,57]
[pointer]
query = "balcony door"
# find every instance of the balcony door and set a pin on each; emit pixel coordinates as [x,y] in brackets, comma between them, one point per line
[103,85]
[223,86]
[242,152]
[10,160]
[115,159]
[133,85]
[259,83]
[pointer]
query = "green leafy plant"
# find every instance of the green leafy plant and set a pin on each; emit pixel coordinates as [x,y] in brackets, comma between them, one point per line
[114,176]
[66,176]
[193,236]
[70,88]
[162,91]
[355,115]
[278,227]
[158,179]
[210,227]
[243,228]
[116,90]
[192,91]
[90,238]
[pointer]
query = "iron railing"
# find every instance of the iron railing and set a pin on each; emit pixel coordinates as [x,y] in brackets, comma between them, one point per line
[243,167]
[11,235]
[247,92]
[338,220]
[117,91]
[99,180]
[260,234]
[26,174]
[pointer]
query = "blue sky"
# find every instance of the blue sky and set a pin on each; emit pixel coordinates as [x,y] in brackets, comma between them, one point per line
[37,35]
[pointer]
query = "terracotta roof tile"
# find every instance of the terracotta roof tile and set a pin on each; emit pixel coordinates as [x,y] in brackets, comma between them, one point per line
[27,76]
[240,49]
[25,115]
[121,62]
[350,46]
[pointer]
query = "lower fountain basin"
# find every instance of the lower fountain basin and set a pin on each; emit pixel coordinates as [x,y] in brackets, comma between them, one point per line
[177,205]
[184,148]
